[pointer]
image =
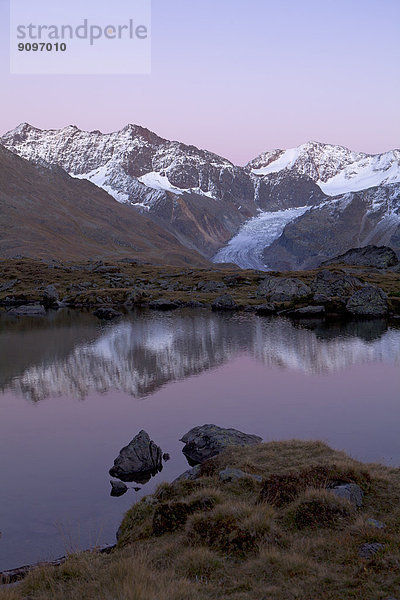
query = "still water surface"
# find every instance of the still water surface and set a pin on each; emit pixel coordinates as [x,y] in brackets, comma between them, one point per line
[73,391]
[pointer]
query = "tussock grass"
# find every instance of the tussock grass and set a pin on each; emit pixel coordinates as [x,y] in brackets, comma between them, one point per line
[230,545]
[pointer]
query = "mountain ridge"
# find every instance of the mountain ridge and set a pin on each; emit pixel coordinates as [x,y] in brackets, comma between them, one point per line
[203,199]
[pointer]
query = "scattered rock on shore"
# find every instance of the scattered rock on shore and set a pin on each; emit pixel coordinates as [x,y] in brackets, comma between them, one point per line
[369,301]
[50,297]
[206,441]
[349,491]
[283,289]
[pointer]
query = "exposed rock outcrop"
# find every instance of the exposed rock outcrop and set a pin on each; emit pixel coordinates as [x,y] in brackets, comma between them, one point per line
[381,257]
[283,289]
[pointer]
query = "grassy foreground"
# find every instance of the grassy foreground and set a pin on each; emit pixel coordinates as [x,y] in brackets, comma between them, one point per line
[283,538]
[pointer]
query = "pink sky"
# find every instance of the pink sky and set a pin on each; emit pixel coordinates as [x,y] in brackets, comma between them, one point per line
[238,77]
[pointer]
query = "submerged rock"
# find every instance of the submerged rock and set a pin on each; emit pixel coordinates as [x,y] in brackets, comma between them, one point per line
[138,461]
[370,301]
[118,488]
[206,441]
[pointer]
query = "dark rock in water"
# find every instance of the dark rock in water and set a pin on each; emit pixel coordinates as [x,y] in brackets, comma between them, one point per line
[206,441]
[265,309]
[224,302]
[328,285]
[306,311]
[163,304]
[283,289]
[50,297]
[368,550]
[107,313]
[381,257]
[118,488]
[370,301]
[166,456]
[138,461]
[29,310]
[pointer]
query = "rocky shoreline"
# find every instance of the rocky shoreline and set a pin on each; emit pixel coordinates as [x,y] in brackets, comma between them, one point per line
[29,288]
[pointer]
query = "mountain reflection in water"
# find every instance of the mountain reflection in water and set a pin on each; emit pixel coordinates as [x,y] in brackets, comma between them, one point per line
[73,354]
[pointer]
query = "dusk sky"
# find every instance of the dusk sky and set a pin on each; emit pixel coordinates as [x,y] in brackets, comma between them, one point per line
[237,77]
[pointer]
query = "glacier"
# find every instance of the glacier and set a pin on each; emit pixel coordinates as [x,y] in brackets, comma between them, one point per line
[246,248]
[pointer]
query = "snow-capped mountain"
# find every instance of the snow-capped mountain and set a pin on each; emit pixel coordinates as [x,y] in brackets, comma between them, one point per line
[335,169]
[200,197]
[225,211]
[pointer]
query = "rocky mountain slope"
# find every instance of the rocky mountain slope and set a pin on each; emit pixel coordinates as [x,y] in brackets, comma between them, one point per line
[46,213]
[285,209]
[202,198]
[354,219]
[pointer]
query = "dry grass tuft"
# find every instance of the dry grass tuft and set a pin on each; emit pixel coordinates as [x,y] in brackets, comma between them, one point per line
[319,508]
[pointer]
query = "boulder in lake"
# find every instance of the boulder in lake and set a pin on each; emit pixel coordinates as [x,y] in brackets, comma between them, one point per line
[29,310]
[164,304]
[138,461]
[118,488]
[106,313]
[224,302]
[369,301]
[206,441]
